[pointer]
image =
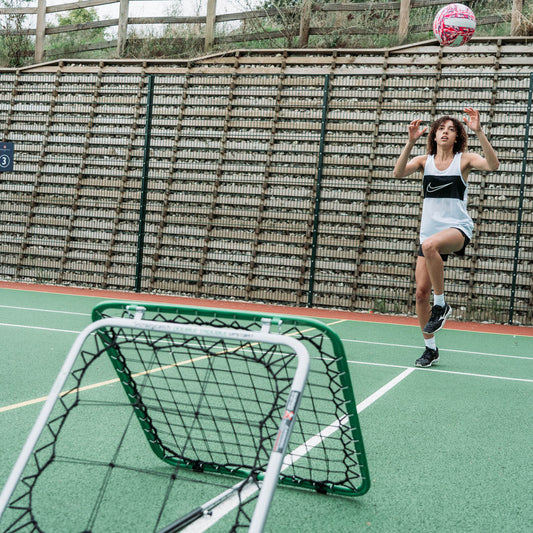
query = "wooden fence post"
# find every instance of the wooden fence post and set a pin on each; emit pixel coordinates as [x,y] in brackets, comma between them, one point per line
[210,24]
[40,28]
[516,16]
[305,21]
[122,35]
[403,21]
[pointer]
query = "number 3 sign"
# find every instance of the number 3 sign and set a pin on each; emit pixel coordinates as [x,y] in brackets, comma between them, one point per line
[6,157]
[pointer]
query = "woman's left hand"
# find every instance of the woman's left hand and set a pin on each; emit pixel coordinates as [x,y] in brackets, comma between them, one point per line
[472,121]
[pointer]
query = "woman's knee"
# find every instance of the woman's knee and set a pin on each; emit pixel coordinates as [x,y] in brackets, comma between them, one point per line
[422,294]
[429,247]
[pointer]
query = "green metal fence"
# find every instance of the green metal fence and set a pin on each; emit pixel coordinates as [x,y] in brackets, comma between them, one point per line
[273,188]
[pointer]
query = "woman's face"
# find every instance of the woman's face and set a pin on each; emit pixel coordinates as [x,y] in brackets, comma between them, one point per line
[446,134]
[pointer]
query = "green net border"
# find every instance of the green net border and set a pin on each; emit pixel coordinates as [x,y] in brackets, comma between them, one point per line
[105,309]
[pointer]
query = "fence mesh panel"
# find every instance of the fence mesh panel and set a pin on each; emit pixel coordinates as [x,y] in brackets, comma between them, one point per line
[260,187]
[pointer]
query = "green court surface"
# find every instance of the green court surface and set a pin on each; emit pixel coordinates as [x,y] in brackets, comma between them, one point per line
[449,448]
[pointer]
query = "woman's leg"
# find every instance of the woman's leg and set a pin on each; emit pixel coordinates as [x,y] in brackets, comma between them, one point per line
[445,242]
[423,312]
[423,293]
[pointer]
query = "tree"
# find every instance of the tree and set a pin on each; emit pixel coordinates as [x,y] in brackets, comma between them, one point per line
[287,10]
[286,17]
[68,42]
[15,45]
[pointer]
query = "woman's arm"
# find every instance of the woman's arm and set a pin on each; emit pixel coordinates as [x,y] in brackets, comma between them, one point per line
[403,166]
[490,161]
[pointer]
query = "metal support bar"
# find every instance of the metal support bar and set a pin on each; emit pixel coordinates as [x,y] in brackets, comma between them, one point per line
[521,200]
[325,109]
[144,183]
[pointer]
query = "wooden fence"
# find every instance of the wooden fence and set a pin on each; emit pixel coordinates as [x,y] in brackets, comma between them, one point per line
[268,176]
[306,21]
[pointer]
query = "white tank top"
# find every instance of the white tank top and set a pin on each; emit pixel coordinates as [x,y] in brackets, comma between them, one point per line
[445,198]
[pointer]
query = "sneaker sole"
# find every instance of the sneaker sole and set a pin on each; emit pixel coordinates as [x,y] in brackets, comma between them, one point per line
[435,361]
[441,324]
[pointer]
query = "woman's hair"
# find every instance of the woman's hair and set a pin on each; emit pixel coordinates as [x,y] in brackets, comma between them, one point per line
[460,141]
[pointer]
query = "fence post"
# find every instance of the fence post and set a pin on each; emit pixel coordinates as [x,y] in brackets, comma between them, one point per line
[312,267]
[144,183]
[516,15]
[122,35]
[40,28]
[521,200]
[305,22]
[210,20]
[403,21]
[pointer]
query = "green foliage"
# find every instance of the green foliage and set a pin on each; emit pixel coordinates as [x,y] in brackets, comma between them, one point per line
[78,16]
[62,44]
[371,28]
[16,48]
[172,41]
[162,47]
[281,4]
[288,11]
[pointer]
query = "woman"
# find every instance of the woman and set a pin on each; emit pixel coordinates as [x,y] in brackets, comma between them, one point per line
[446,227]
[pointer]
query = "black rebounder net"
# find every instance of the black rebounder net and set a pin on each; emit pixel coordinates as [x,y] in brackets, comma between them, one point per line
[203,405]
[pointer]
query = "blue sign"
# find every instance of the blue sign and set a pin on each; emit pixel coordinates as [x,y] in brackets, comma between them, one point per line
[6,157]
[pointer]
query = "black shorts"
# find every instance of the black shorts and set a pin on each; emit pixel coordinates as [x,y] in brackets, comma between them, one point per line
[459,253]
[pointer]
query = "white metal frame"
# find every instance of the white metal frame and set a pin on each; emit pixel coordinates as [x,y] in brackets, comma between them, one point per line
[264,336]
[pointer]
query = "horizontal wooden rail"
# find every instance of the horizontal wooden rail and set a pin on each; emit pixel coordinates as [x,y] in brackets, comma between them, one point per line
[304,23]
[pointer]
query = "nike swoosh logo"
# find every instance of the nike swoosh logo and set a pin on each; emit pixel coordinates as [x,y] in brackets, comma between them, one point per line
[431,189]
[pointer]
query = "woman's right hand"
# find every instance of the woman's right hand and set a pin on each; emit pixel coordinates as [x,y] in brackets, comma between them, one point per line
[414,130]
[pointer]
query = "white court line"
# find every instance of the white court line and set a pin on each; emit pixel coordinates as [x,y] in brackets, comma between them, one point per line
[343,340]
[440,349]
[42,399]
[386,388]
[43,310]
[207,521]
[37,327]
[204,523]
[470,374]
[225,508]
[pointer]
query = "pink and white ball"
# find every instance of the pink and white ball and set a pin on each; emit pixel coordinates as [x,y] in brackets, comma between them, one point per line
[454,25]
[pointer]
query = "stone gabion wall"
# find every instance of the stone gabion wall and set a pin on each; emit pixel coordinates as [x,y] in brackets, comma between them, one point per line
[268,176]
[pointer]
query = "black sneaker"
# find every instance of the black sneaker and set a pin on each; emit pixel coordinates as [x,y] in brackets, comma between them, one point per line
[429,357]
[438,317]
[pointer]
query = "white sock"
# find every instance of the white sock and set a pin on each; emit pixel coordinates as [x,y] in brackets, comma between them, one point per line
[431,343]
[438,299]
